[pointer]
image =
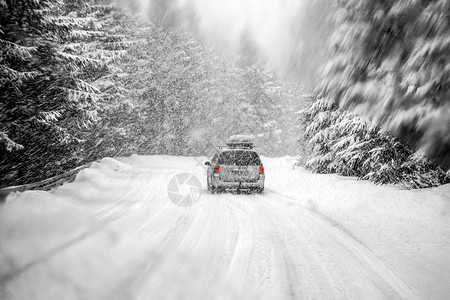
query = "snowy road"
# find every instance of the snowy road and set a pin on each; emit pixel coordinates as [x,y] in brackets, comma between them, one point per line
[114,234]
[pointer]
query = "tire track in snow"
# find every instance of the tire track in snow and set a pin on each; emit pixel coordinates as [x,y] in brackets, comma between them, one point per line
[322,281]
[284,263]
[162,243]
[295,268]
[386,273]
[243,250]
[205,237]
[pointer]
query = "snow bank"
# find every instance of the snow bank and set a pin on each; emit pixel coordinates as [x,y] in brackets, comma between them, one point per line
[34,223]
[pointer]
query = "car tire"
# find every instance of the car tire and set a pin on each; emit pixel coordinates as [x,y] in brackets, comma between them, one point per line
[208,184]
[260,190]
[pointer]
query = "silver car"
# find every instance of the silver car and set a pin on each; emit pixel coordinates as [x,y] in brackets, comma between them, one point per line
[237,168]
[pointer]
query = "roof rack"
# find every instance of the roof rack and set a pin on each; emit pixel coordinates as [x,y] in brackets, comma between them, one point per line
[240,145]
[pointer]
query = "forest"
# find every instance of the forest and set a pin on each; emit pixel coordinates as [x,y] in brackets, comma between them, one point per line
[82,80]
[86,79]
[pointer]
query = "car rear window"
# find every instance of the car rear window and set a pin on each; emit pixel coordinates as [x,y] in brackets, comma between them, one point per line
[239,158]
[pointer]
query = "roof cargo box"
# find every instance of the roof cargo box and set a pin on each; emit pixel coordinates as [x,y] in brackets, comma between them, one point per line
[240,142]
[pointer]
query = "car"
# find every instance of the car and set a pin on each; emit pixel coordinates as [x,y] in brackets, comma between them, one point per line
[236,166]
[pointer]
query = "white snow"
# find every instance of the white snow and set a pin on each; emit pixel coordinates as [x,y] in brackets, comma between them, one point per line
[114,234]
[241,138]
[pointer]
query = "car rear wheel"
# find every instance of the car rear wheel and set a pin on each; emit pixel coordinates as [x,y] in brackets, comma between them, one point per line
[212,189]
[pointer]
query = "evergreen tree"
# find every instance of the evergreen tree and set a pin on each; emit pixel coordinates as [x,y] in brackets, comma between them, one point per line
[44,100]
[350,145]
[391,63]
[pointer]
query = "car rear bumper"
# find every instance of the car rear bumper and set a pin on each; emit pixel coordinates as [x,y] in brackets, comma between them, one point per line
[217,183]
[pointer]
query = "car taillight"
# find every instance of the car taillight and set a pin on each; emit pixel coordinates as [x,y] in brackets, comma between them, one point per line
[261,169]
[216,168]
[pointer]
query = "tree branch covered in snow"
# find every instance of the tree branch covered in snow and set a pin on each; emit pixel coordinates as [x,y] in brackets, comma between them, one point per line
[48,99]
[391,63]
[350,145]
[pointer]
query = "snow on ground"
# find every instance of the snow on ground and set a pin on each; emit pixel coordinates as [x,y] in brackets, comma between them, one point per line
[409,229]
[114,234]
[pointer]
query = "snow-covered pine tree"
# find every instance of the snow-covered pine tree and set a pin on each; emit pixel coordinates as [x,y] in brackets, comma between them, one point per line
[350,145]
[390,63]
[47,99]
[104,32]
[162,75]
